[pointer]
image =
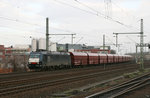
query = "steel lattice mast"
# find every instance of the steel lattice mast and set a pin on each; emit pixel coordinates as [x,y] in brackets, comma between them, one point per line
[108,8]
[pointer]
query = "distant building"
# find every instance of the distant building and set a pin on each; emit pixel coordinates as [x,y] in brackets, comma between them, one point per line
[34,45]
[83,48]
[14,57]
[6,52]
[52,46]
[2,53]
[21,49]
[65,47]
[40,44]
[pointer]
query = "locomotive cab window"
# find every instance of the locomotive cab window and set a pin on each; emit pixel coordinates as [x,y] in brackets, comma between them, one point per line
[34,56]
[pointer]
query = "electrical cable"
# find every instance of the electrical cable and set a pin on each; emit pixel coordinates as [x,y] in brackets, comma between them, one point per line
[104,16]
[16,20]
[75,7]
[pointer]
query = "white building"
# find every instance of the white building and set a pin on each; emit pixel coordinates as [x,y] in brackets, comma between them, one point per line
[34,45]
[52,46]
[21,47]
[40,44]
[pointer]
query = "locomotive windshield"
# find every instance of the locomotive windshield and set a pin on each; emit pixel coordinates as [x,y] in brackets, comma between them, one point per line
[34,55]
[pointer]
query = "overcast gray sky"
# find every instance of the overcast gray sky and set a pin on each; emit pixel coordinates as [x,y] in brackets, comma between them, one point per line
[20,19]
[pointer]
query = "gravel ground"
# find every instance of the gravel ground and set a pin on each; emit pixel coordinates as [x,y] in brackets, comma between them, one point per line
[140,93]
[48,91]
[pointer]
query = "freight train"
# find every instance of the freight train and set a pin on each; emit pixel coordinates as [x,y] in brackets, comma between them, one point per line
[48,60]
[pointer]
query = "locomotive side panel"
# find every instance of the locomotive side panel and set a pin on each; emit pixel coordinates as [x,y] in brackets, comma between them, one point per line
[39,60]
[57,59]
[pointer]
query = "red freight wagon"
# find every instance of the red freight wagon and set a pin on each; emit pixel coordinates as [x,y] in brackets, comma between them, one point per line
[120,58]
[79,58]
[110,58]
[103,58]
[123,58]
[93,58]
[116,58]
[128,58]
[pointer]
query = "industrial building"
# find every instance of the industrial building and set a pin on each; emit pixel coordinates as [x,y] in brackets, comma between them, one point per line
[40,44]
[21,49]
[4,51]
[14,58]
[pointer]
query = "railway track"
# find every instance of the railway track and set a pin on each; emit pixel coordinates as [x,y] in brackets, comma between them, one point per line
[57,79]
[12,87]
[17,76]
[121,89]
[7,83]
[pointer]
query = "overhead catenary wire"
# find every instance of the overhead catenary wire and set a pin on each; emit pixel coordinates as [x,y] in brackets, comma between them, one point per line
[20,29]
[61,39]
[18,6]
[16,20]
[79,40]
[134,18]
[75,7]
[131,39]
[111,41]
[26,22]
[92,11]
[127,13]
[95,12]
[99,13]
[103,15]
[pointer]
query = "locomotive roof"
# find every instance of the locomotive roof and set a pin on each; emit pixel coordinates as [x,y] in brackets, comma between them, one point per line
[53,53]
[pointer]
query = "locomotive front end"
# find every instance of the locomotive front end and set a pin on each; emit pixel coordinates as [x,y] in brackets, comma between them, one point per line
[35,61]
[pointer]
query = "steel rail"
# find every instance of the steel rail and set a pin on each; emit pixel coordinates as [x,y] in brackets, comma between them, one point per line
[134,87]
[5,84]
[16,89]
[18,74]
[122,88]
